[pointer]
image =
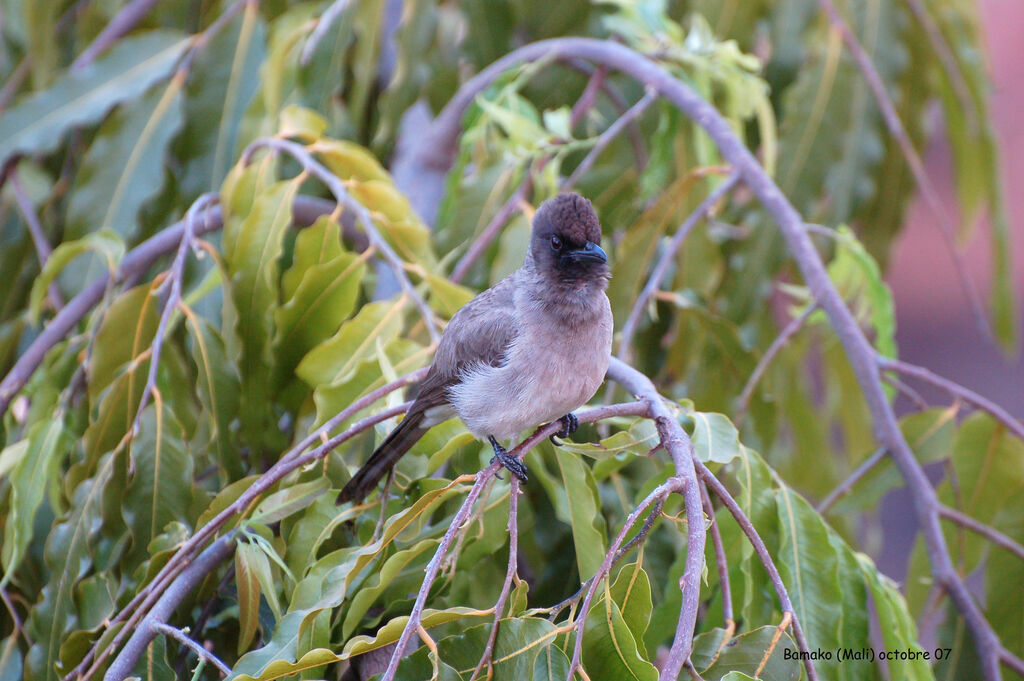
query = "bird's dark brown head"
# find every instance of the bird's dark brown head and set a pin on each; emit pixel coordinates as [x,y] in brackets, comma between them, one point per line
[566,239]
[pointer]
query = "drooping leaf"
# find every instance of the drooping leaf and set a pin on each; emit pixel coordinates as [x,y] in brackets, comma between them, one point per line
[108,196]
[32,474]
[37,124]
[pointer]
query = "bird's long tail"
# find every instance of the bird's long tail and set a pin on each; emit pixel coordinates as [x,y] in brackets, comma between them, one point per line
[397,443]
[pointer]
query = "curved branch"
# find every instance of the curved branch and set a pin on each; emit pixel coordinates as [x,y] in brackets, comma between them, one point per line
[182,586]
[676,442]
[784,336]
[992,534]
[956,390]
[766,560]
[857,347]
[345,199]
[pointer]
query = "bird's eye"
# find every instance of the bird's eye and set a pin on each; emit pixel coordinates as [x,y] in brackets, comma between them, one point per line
[556,243]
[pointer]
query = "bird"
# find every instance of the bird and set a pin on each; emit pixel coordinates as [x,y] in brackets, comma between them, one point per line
[527,351]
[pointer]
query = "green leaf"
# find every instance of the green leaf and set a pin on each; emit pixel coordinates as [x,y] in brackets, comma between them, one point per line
[38,124]
[217,386]
[715,438]
[246,557]
[397,563]
[610,648]
[105,244]
[336,359]
[551,665]
[858,279]
[222,81]
[897,627]
[161,489]
[823,579]
[108,196]
[324,297]
[253,265]
[33,474]
[10,659]
[390,632]
[277,669]
[68,555]
[632,593]
[285,502]
[579,505]
[744,654]
[127,331]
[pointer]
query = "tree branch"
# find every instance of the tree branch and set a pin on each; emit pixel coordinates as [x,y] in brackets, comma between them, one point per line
[200,651]
[182,586]
[667,256]
[895,126]
[342,196]
[956,390]
[780,342]
[720,560]
[846,485]
[766,560]
[125,20]
[35,229]
[323,24]
[992,534]
[510,573]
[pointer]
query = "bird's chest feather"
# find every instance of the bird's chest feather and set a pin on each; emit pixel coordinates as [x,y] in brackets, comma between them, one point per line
[564,364]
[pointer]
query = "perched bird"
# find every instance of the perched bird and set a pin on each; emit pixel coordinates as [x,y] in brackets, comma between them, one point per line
[527,351]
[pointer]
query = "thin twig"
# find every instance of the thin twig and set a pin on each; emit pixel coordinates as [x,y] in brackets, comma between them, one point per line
[120,25]
[182,586]
[609,134]
[323,24]
[659,493]
[586,101]
[15,617]
[174,282]
[906,391]
[790,330]
[895,126]
[180,636]
[949,63]
[720,560]
[636,540]
[345,199]
[510,573]
[13,84]
[43,248]
[481,480]
[992,534]
[495,225]
[667,256]
[305,211]
[761,550]
[955,389]
[621,104]
[846,485]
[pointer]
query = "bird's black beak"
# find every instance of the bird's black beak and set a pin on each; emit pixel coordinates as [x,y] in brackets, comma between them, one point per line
[589,253]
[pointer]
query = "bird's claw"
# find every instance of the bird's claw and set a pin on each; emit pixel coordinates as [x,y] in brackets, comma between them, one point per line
[514,465]
[569,425]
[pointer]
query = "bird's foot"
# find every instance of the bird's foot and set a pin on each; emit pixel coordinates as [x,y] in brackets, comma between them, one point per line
[569,425]
[514,465]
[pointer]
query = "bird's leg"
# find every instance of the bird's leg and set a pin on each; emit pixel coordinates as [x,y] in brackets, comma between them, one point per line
[514,465]
[569,425]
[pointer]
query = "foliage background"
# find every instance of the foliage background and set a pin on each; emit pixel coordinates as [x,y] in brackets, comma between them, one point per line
[285,328]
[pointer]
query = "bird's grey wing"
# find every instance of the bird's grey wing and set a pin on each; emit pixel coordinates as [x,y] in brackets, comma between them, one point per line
[479,333]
